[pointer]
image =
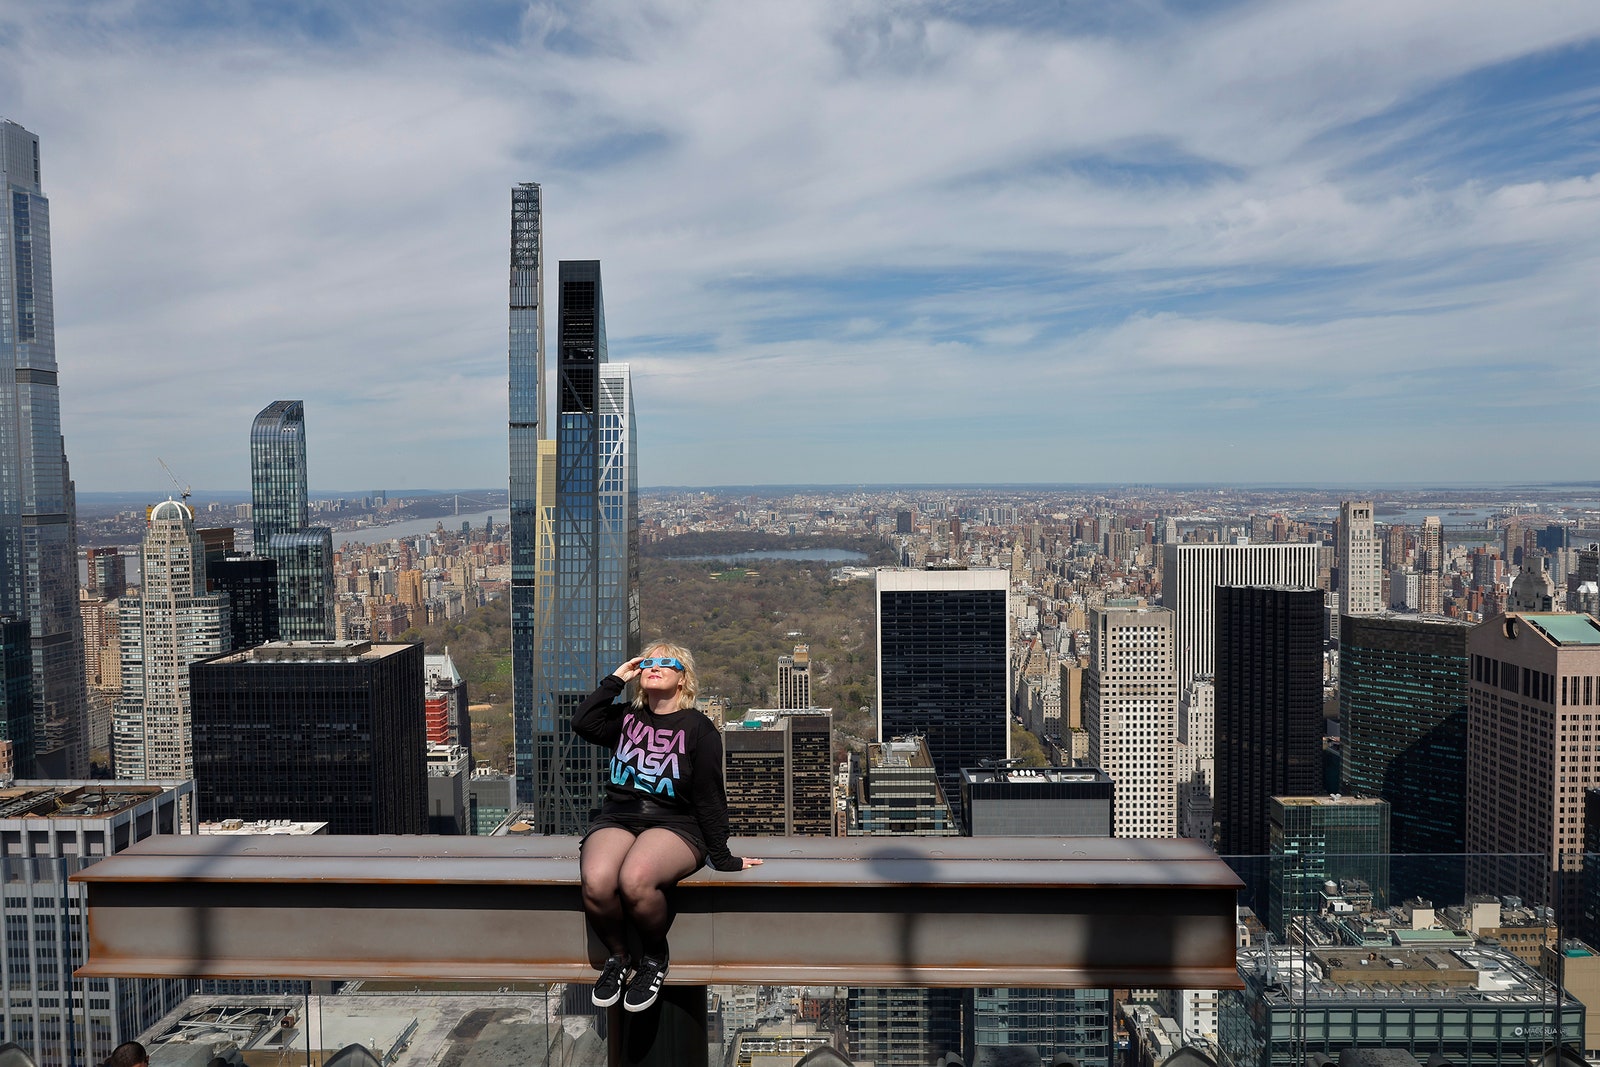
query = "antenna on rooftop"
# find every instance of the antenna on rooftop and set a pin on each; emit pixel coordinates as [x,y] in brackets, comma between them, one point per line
[184,489]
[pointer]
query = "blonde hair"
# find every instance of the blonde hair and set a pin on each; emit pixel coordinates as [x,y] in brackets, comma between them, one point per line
[688,685]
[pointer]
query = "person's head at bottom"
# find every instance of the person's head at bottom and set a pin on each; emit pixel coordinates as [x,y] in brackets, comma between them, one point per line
[128,1054]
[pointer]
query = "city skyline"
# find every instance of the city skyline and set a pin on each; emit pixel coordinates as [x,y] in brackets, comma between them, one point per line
[1353,234]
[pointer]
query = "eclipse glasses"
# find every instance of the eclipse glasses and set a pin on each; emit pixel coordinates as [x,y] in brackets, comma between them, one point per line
[661,661]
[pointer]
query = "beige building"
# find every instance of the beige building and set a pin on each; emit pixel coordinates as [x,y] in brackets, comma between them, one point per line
[1130,709]
[1533,748]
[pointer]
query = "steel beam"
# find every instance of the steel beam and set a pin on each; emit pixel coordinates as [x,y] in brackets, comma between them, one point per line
[1049,912]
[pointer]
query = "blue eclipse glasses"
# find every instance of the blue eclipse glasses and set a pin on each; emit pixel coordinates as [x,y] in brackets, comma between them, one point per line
[661,661]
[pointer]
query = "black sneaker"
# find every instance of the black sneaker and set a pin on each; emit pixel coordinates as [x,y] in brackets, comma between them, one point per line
[613,976]
[646,984]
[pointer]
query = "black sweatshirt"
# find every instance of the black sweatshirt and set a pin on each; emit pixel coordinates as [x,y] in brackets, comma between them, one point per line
[673,760]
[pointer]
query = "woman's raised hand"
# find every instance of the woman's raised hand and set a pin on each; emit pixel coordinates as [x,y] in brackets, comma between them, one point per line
[629,670]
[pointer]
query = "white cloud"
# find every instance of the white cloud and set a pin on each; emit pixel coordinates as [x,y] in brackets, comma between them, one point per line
[899,224]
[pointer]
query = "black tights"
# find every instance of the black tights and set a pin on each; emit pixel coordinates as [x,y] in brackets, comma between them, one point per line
[626,879]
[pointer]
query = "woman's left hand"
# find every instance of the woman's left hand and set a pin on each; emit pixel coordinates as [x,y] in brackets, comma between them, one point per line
[751,861]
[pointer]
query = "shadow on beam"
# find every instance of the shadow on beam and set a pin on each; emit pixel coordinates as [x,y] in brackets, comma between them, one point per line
[1047,912]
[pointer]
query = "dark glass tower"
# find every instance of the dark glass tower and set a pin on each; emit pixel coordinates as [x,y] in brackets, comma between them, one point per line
[944,666]
[38,536]
[594,616]
[252,588]
[278,494]
[526,364]
[326,732]
[279,512]
[1403,732]
[16,690]
[1269,707]
[305,583]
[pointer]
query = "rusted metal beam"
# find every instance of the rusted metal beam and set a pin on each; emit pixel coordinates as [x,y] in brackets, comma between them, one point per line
[1050,912]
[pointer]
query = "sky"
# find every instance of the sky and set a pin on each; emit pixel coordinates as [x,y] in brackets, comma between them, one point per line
[1332,241]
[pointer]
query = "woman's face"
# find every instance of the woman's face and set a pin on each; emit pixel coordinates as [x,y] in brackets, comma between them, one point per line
[659,679]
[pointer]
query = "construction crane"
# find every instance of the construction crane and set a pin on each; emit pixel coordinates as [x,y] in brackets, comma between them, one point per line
[184,489]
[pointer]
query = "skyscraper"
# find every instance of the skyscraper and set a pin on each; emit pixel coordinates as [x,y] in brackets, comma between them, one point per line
[779,773]
[526,383]
[170,624]
[1130,710]
[279,513]
[305,583]
[1403,726]
[1430,566]
[944,666]
[1360,560]
[1268,707]
[1533,712]
[278,491]
[1191,574]
[329,731]
[38,511]
[594,616]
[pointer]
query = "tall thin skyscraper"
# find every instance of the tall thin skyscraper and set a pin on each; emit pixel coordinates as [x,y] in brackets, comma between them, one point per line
[595,613]
[1130,709]
[38,510]
[170,624]
[1360,560]
[794,679]
[1191,575]
[1430,566]
[279,512]
[278,490]
[526,377]
[944,666]
[1269,708]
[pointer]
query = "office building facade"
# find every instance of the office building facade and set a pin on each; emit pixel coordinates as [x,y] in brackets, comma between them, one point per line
[944,665]
[1191,575]
[1130,711]
[1533,713]
[304,559]
[49,830]
[107,572]
[251,586]
[38,509]
[172,623]
[1315,840]
[1430,567]
[324,731]
[593,618]
[530,520]
[1403,728]
[779,773]
[1269,721]
[1360,560]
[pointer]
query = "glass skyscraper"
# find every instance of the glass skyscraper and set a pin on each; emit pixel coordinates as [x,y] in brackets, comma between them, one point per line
[944,666]
[38,536]
[279,511]
[593,620]
[526,365]
[1403,721]
[278,492]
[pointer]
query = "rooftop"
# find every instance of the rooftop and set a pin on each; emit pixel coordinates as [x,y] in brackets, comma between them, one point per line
[1566,629]
[1034,775]
[310,652]
[73,800]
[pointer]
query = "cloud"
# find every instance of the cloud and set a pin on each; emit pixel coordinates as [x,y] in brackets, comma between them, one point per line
[940,240]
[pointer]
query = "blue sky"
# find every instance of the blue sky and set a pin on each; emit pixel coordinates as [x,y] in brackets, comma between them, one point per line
[1336,242]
